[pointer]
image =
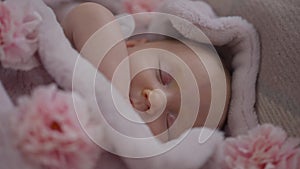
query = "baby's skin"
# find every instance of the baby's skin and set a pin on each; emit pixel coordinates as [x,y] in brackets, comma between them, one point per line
[153,92]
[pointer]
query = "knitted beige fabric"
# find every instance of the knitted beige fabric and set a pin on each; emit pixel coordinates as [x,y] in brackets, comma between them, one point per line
[278,24]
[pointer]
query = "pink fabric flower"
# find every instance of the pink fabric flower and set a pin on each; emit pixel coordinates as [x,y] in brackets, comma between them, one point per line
[48,131]
[136,6]
[18,36]
[265,147]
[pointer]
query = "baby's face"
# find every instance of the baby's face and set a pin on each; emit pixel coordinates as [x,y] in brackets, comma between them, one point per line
[168,102]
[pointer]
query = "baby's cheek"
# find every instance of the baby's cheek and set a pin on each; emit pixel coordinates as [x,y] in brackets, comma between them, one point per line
[200,121]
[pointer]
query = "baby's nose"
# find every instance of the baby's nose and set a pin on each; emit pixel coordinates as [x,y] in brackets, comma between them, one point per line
[157,100]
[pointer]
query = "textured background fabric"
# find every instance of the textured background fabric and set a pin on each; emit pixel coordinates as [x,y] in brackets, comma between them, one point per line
[18,83]
[278,86]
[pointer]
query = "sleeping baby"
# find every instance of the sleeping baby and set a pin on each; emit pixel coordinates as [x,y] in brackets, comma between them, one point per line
[160,89]
[169,80]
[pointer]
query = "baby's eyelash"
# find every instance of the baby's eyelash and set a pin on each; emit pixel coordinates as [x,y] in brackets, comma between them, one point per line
[164,77]
[158,73]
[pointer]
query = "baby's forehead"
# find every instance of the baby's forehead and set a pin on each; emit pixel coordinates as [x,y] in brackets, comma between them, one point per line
[194,55]
[195,49]
[188,49]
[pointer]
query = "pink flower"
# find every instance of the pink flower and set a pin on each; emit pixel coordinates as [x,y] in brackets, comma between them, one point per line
[136,6]
[265,147]
[18,36]
[48,132]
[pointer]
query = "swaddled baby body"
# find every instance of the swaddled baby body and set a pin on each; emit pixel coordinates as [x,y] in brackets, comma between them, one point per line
[152,91]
